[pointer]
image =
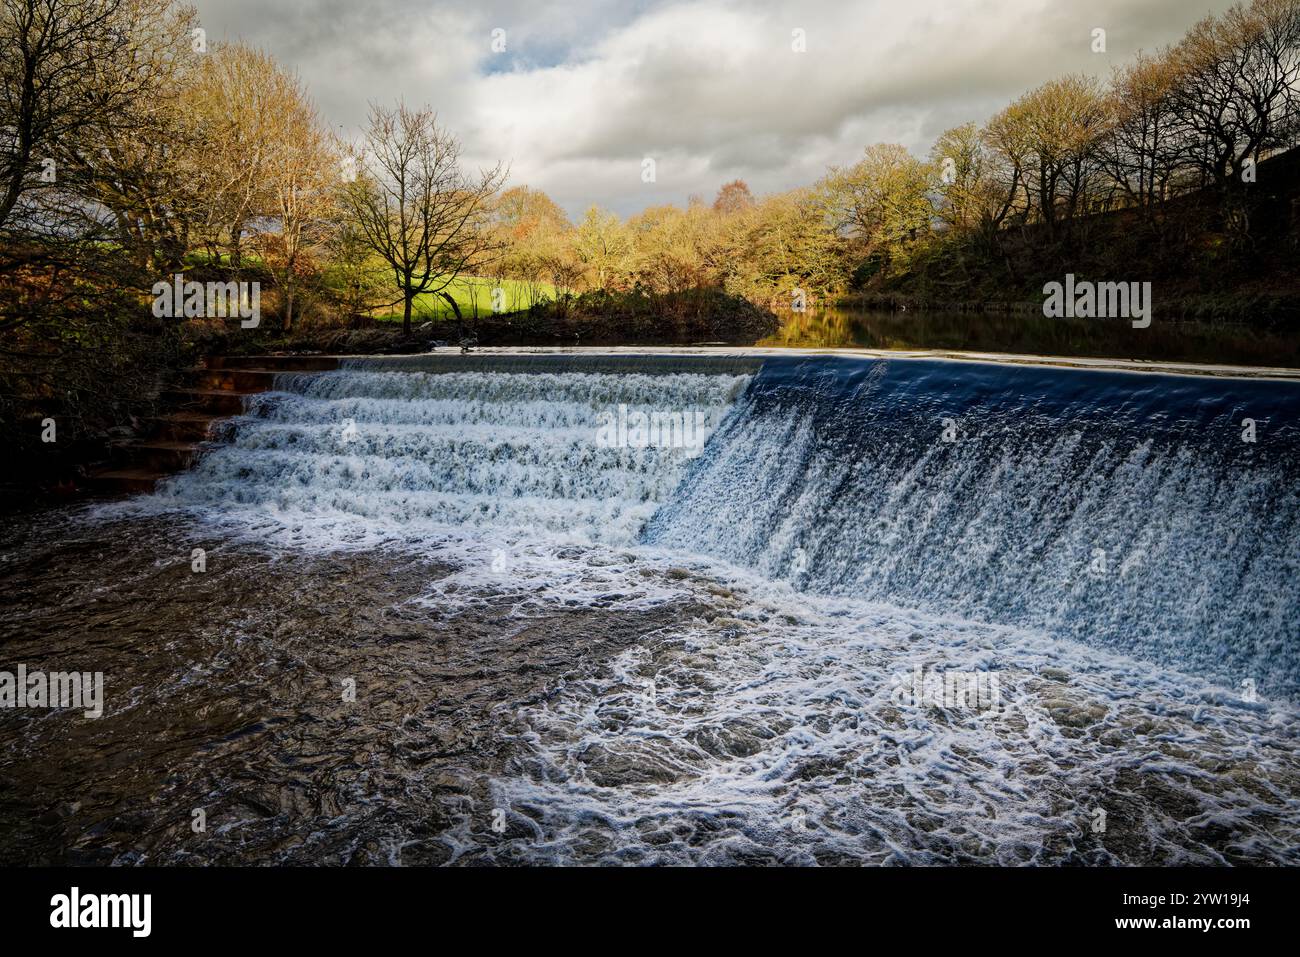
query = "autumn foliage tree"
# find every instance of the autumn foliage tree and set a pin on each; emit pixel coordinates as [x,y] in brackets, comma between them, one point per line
[733,197]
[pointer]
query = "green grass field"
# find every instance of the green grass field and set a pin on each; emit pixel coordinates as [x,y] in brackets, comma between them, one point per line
[467,291]
[470,293]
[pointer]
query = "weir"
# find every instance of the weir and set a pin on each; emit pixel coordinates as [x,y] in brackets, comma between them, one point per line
[1152,515]
[1120,510]
[589,364]
[422,446]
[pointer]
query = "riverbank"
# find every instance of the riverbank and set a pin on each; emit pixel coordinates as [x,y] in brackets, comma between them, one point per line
[690,317]
[1020,329]
[891,325]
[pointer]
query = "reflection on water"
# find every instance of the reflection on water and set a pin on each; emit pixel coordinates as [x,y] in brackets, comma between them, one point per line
[1034,334]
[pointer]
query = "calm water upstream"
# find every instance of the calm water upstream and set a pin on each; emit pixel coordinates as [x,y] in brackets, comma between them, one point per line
[1035,334]
[440,620]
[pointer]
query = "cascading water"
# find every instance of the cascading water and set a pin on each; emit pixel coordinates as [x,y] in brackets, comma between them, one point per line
[1157,516]
[1154,515]
[385,447]
[572,640]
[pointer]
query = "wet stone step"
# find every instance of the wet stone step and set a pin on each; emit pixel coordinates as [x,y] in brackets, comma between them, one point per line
[126,481]
[181,427]
[159,455]
[231,380]
[217,402]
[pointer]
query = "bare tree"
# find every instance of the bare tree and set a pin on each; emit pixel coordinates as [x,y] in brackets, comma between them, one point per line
[83,86]
[1239,85]
[1142,150]
[603,248]
[881,201]
[733,197]
[1012,160]
[425,217]
[136,161]
[61,69]
[240,104]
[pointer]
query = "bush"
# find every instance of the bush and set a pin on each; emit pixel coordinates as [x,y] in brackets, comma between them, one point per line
[82,348]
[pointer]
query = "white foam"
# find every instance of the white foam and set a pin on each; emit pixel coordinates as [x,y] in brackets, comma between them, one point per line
[771,733]
[774,736]
[357,458]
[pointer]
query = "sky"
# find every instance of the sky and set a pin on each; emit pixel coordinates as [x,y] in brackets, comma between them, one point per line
[575,96]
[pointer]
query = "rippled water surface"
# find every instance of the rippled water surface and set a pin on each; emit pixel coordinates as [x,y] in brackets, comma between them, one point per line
[438,623]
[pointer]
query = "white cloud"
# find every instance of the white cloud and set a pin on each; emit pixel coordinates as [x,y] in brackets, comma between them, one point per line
[711,89]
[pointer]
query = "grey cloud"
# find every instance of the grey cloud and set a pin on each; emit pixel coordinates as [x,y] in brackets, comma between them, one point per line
[712,86]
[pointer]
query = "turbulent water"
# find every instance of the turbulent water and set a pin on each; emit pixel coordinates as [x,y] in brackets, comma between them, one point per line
[1122,511]
[640,610]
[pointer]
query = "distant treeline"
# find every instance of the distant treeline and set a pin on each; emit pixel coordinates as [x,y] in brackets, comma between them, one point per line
[993,208]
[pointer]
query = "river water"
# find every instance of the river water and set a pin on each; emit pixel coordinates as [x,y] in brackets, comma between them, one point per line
[469,612]
[1035,334]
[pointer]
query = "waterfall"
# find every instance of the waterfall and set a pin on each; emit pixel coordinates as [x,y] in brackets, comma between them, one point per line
[1153,515]
[1127,511]
[405,444]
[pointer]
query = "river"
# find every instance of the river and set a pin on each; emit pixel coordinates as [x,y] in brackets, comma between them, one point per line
[1032,333]
[428,610]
